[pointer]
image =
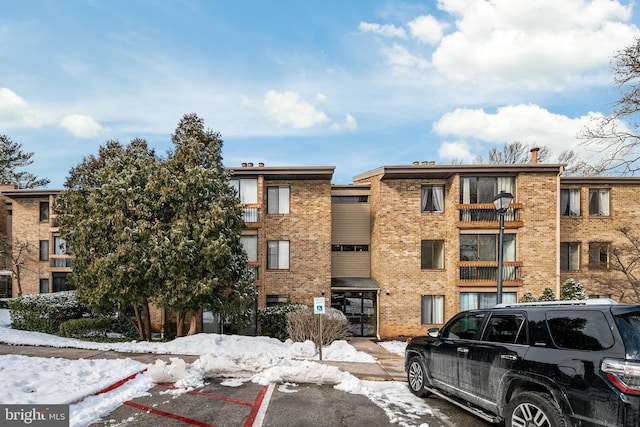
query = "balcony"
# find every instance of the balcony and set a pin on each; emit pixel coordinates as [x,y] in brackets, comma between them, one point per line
[485,215]
[485,273]
[60,261]
[250,215]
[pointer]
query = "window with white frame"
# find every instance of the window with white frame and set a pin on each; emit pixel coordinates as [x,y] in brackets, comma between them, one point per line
[482,189]
[250,245]
[475,300]
[278,254]
[569,256]
[432,255]
[570,202]
[432,198]
[599,202]
[277,200]
[246,189]
[598,255]
[432,309]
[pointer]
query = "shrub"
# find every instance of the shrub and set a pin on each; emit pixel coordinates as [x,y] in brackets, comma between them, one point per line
[302,325]
[273,320]
[45,312]
[528,297]
[89,327]
[572,290]
[547,295]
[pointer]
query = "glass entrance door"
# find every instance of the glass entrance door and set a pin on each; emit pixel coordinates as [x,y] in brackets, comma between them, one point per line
[360,309]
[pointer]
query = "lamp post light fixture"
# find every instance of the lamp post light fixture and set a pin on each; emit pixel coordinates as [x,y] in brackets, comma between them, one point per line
[501,202]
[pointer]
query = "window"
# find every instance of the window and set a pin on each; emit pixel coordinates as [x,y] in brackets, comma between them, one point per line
[432,255]
[278,200]
[465,327]
[599,202]
[44,211]
[504,328]
[350,199]
[432,198]
[44,286]
[277,300]
[59,245]
[246,188]
[250,245]
[349,248]
[587,330]
[44,250]
[570,202]
[60,282]
[475,300]
[432,309]
[484,247]
[569,256]
[598,255]
[483,189]
[278,254]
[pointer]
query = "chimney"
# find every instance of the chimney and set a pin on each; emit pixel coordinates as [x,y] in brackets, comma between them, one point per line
[244,165]
[260,165]
[416,163]
[250,164]
[425,163]
[534,155]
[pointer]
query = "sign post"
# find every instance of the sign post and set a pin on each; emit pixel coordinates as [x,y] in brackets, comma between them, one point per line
[318,308]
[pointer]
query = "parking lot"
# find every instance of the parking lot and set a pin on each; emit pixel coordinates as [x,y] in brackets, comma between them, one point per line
[227,403]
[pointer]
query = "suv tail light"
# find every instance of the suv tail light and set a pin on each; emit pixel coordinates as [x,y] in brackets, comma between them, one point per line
[623,374]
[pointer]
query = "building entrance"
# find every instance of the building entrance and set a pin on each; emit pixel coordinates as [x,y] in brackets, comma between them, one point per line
[360,309]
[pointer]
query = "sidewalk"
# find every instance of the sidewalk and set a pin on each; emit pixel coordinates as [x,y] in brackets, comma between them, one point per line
[389,366]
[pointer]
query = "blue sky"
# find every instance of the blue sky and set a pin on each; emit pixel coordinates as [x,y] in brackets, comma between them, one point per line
[352,84]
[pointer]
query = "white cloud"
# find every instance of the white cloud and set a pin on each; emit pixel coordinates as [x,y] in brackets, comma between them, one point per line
[385,30]
[81,126]
[290,109]
[525,123]
[455,150]
[401,60]
[14,110]
[427,29]
[350,123]
[535,40]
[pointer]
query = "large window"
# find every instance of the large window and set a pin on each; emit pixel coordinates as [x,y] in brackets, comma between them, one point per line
[250,245]
[278,254]
[570,202]
[475,300]
[278,200]
[432,198]
[246,188]
[599,201]
[432,255]
[60,282]
[484,247]
[569,256]
[432,309]
[598,255]
[44,286]
[483,189]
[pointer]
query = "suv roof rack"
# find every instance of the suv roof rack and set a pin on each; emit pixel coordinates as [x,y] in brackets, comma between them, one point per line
[590,301]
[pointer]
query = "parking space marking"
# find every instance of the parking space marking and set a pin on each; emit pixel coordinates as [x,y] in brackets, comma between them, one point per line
[256,418]
[167,414]
[212,396]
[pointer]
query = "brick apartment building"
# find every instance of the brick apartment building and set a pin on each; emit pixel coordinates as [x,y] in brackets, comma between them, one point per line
[401,249]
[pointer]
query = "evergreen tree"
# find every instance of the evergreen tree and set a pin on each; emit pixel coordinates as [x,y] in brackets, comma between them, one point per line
[572,290]
[11,159]
[547,295]
[107,217]
[203,262]
[528,297]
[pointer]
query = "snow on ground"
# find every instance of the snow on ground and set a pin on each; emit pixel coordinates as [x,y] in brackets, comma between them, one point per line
[263,360]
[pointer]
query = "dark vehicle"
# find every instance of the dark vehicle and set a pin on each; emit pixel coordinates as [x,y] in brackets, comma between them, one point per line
[565,363]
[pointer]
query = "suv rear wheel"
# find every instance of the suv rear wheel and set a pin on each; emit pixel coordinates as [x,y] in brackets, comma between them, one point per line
[416,377]
[531,408]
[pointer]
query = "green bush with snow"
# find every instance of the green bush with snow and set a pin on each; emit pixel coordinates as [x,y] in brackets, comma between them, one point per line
[45,312]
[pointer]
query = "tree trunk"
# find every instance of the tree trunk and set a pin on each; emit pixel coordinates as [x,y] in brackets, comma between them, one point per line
[180,316]
[192,325]
[147,319]
[139,325]
[18,281]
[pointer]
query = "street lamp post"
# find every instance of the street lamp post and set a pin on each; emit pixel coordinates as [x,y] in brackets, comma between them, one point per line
[501,202]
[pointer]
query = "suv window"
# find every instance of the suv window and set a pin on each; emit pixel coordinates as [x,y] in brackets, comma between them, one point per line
[464,327]
[584,330]
[505,328]
[629,327]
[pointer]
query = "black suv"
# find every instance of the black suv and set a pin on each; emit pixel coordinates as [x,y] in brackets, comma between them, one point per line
[565,363]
